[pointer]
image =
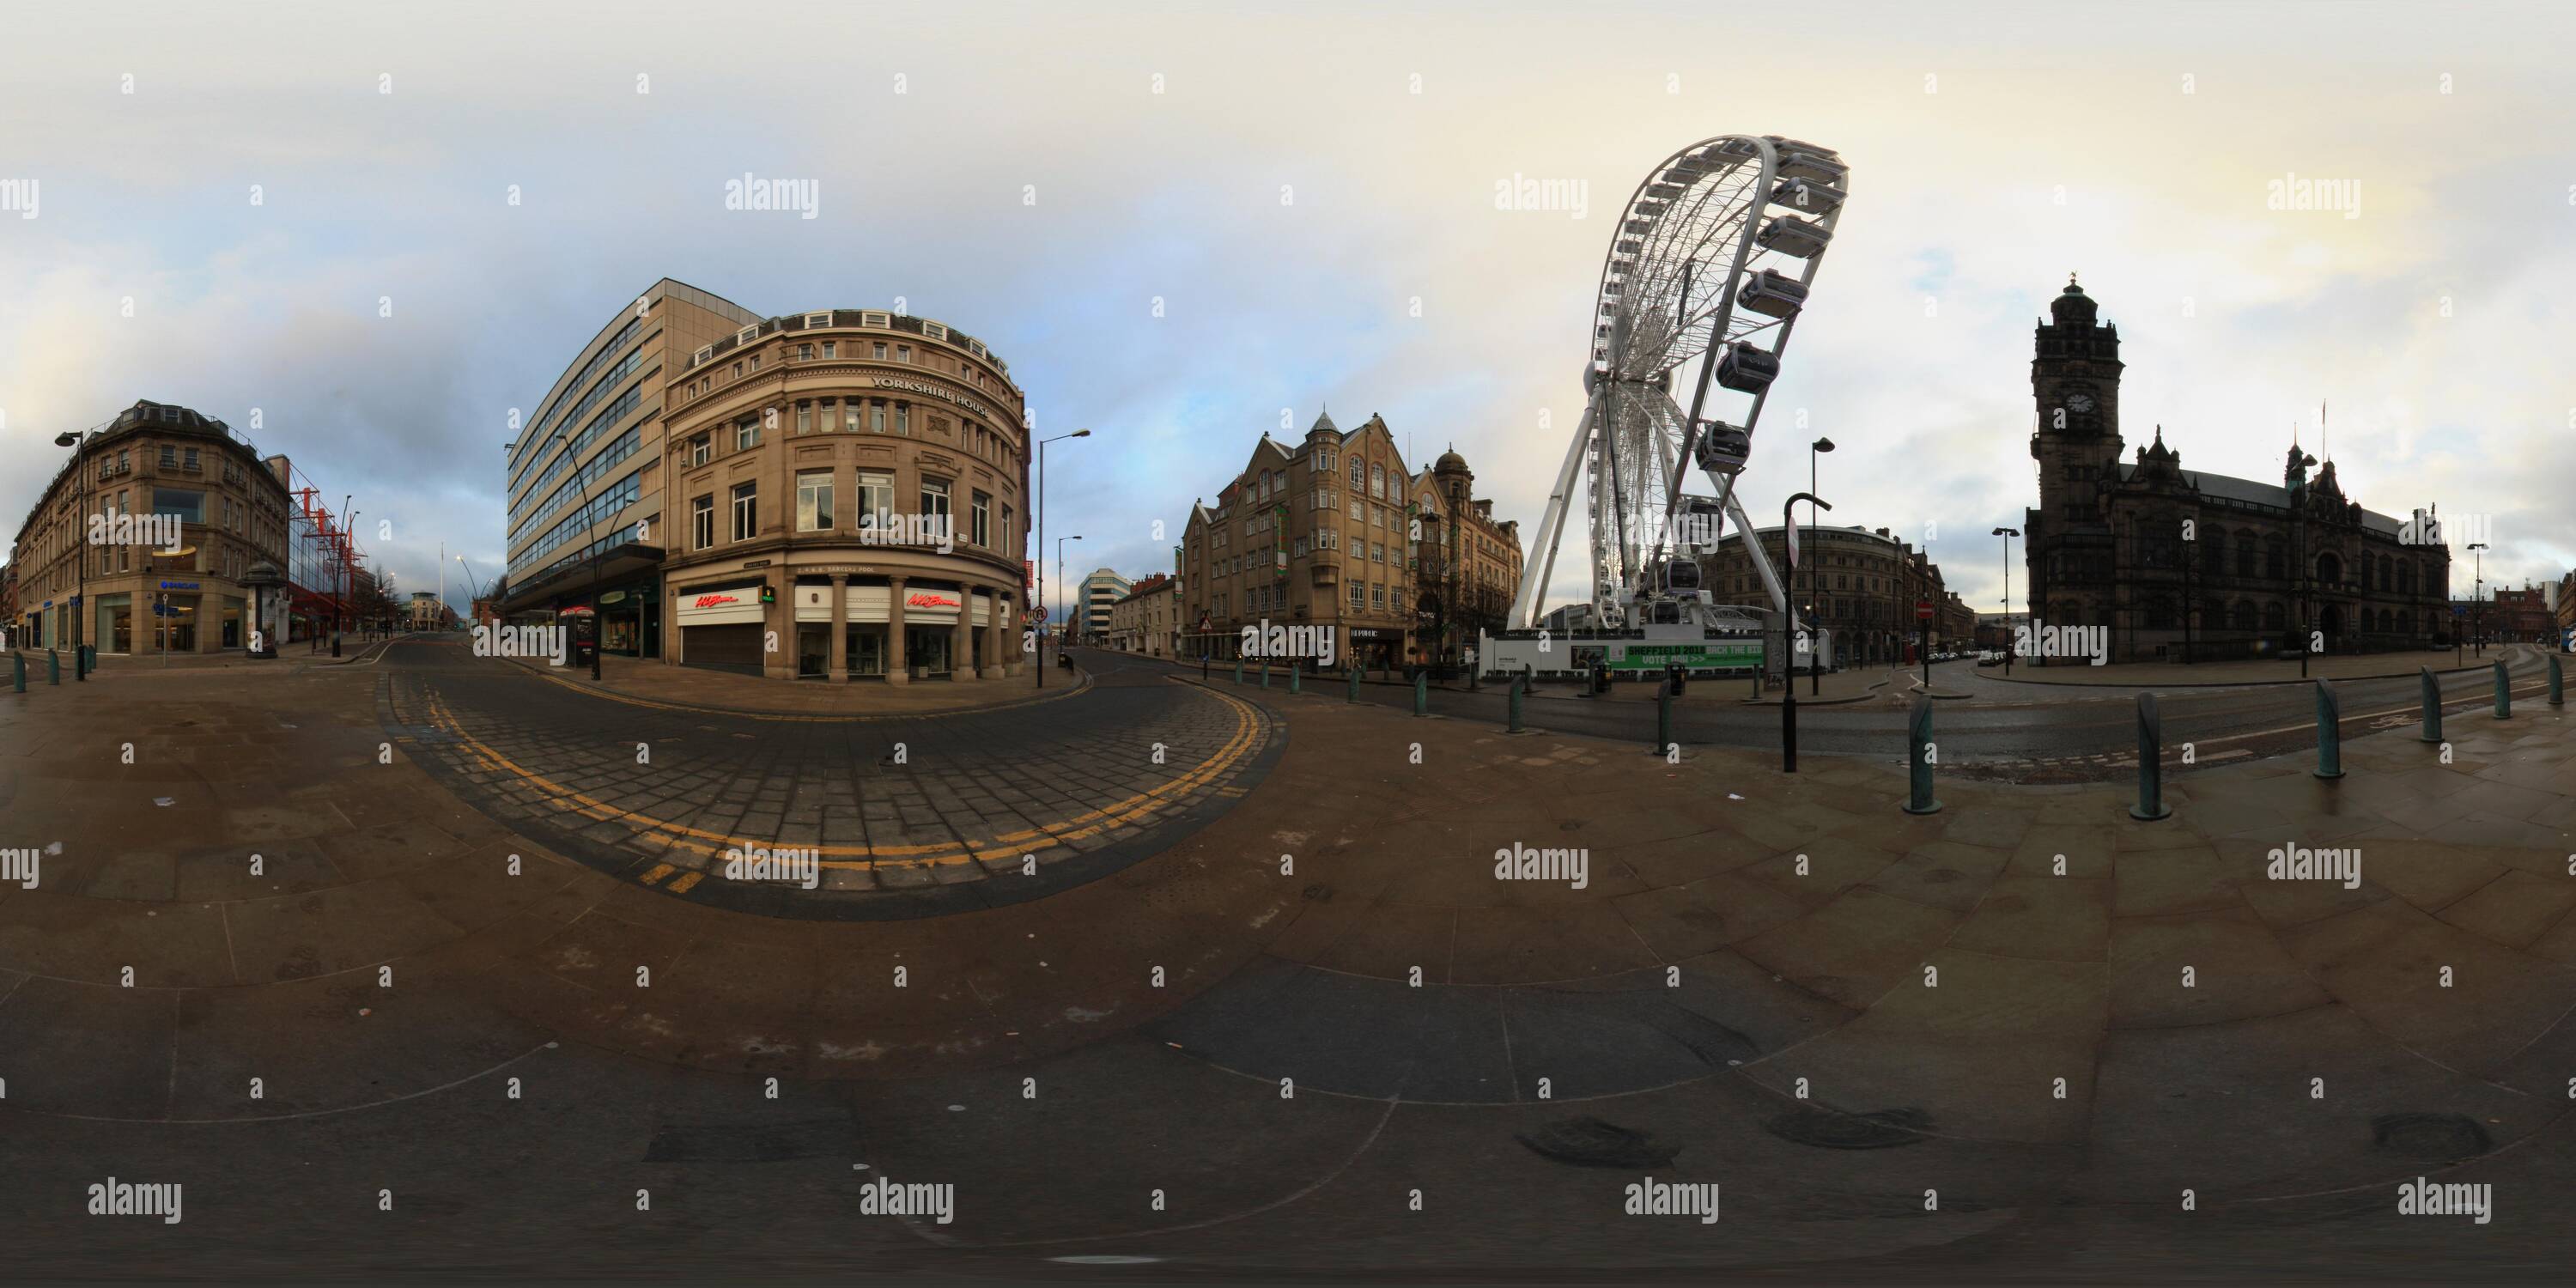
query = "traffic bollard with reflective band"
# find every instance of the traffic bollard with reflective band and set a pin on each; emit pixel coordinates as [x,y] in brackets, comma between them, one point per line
[2557,685]
[1421,693]
[1293,670]
[2504,692]
[1918,759]
[1663,722]
[2329,732]
[2432,706]
[53,666]
[2151,765]
[1515,706]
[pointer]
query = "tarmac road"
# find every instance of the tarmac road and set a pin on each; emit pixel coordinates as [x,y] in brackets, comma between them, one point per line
[2052,736]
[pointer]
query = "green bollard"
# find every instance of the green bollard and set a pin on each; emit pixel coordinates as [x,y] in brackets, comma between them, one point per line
[1354,694]
[2151,766]
[1515,706]
[1292,675]
[2329,732]
[53,666]
[2432,707]
[1265,673]
[18,669]
[2504,692]
[1663,722]
[2557,684]
[1238,670]
[1918,758]
[1421,693]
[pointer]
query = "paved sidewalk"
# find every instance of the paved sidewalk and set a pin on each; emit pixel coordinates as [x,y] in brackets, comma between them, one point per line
[2174,675]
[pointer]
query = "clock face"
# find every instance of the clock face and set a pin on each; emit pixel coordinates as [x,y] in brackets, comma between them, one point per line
[2079,402]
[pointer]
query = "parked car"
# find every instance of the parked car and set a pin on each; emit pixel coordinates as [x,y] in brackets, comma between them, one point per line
[1991,657]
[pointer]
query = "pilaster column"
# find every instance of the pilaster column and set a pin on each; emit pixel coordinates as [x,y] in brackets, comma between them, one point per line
[988,662]
[898,671]
[961,646]
[840,645]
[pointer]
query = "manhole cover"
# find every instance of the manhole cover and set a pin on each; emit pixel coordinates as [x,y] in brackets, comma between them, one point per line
[1590,1142]
[1825,1129]
[2430,1136]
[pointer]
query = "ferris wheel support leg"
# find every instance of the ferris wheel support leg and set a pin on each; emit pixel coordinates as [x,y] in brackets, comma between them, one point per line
[1551,527]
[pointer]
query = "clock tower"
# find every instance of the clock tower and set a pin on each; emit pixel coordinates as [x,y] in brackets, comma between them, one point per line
[2075,387]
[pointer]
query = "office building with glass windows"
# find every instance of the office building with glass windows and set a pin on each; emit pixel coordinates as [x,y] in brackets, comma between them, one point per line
[831,495]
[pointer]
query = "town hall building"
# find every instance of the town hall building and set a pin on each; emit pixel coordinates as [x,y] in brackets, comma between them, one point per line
[2177,562]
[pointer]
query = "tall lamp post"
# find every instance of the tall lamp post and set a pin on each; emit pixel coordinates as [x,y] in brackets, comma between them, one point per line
[1815,658]
[473,586]
[2476,593]
[1040,668]
[79,443]
[1059,581]
[2008,534]
[1789,691]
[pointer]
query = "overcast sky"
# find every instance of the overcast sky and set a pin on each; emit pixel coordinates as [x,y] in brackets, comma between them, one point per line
[1180,223]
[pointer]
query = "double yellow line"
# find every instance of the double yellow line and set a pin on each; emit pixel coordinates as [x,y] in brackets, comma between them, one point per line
[799,717]
[1245,740]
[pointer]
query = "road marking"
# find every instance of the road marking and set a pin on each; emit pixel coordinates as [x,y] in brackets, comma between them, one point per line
[1079,827]
[688,881]
[659,871]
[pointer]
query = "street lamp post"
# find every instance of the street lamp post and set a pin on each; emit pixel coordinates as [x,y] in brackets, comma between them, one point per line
[1043,624]
[2476,593]
[2008,534]
[1789,691]
[79,443]
[1059,581]
[1815,660]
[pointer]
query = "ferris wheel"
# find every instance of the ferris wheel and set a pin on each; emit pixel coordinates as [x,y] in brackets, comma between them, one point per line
[1709,267]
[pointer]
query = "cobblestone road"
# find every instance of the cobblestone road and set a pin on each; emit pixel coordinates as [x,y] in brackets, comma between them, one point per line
[902,818]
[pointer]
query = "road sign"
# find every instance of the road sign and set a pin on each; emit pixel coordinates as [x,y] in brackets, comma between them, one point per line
[1038,614]
[1923,609]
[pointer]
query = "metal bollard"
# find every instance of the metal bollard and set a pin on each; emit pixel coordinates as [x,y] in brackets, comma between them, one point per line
[1265,673]
[1421,693]
[18,669]
[1292,675]
[1663,722]
[1918,759]
[53,666]
[2329,732]
[1203,668]
[2557,684]
[1518,683]
[1238,670]
[2504,692]
[2151,766]
[1354,694]
[2432,707]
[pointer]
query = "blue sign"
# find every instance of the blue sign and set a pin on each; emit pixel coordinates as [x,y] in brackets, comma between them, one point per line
[178,585]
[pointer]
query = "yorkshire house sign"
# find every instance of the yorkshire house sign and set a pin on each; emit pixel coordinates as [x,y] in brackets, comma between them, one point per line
[915,386]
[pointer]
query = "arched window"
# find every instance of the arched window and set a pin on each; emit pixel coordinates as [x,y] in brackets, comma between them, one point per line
[2274,619]
[2245,616]
[2276,556]
[2383,561]
[2213,550]
[2329,568]
[2244,552]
